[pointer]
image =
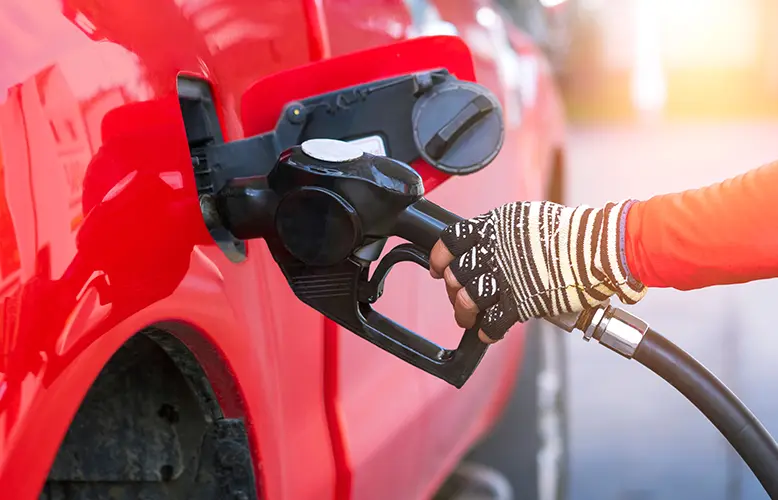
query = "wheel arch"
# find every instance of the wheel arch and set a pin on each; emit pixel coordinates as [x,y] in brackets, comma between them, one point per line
[170,419]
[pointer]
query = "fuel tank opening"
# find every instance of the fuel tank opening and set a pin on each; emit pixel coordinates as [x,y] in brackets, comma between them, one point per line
[203,131]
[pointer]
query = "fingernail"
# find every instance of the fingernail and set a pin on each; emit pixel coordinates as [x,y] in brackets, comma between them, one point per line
[484,338]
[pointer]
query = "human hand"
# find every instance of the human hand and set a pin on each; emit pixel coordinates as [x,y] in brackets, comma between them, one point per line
[531,260]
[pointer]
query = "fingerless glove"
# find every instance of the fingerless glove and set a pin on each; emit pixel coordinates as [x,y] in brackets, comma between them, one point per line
[539,259]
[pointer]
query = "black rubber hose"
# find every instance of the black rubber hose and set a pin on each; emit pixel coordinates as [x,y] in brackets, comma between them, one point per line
[730,416]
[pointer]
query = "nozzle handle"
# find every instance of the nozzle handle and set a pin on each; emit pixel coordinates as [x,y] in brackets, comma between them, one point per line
[421,224]
[454,366]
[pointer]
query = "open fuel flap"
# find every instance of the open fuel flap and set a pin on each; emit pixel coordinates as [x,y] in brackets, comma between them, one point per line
[339,159]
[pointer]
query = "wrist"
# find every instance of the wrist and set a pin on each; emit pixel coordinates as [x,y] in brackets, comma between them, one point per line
[610,258]
[632,278]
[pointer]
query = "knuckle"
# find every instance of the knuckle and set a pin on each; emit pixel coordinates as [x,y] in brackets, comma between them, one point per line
[440,257]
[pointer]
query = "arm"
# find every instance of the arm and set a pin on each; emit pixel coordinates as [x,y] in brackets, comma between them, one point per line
[716,235]
[537,259]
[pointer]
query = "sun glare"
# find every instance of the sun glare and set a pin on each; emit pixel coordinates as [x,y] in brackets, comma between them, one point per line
[688,34]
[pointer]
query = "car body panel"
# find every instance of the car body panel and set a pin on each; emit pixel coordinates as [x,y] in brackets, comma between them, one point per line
[96,180]
[51,353]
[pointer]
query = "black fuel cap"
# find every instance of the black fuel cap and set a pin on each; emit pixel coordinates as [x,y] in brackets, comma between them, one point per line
[458,127]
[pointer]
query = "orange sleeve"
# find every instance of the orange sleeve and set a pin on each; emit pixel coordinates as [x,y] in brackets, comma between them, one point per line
[721,234]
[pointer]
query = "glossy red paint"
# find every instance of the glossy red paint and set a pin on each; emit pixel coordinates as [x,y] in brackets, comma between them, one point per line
[318,35]
[101,236]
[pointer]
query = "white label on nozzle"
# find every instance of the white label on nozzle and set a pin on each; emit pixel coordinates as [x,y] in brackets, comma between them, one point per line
[331,150]
[373,145]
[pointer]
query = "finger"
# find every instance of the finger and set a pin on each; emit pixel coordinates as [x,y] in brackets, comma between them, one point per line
[460,237]
[483,290]
[452,294]
[499,318]
[440,258]
[452,284]
[471,264]
[465,310]
[485,338]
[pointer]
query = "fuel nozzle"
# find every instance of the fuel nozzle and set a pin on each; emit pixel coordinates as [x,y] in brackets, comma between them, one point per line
[326,210]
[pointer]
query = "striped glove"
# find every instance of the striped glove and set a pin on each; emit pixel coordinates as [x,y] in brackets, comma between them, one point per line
[539,259]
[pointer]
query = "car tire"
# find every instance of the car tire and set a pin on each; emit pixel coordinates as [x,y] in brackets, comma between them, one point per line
[528,447]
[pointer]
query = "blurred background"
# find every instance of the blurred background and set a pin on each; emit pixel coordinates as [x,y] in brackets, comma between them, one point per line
[690,59]
[664,95]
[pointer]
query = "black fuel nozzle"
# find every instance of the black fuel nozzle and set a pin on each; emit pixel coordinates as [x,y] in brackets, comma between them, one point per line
[335,199]
[326,210]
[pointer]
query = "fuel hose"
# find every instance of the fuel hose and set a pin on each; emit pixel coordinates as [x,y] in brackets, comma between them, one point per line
[704,390]
[632,338]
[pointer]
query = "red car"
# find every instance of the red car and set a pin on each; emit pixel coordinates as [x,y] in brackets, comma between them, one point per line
[143,357]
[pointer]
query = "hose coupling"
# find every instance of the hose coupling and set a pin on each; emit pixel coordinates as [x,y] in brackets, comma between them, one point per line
[616,329]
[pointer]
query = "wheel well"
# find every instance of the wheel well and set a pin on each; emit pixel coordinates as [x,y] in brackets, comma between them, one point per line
[150,427]
[555,188]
